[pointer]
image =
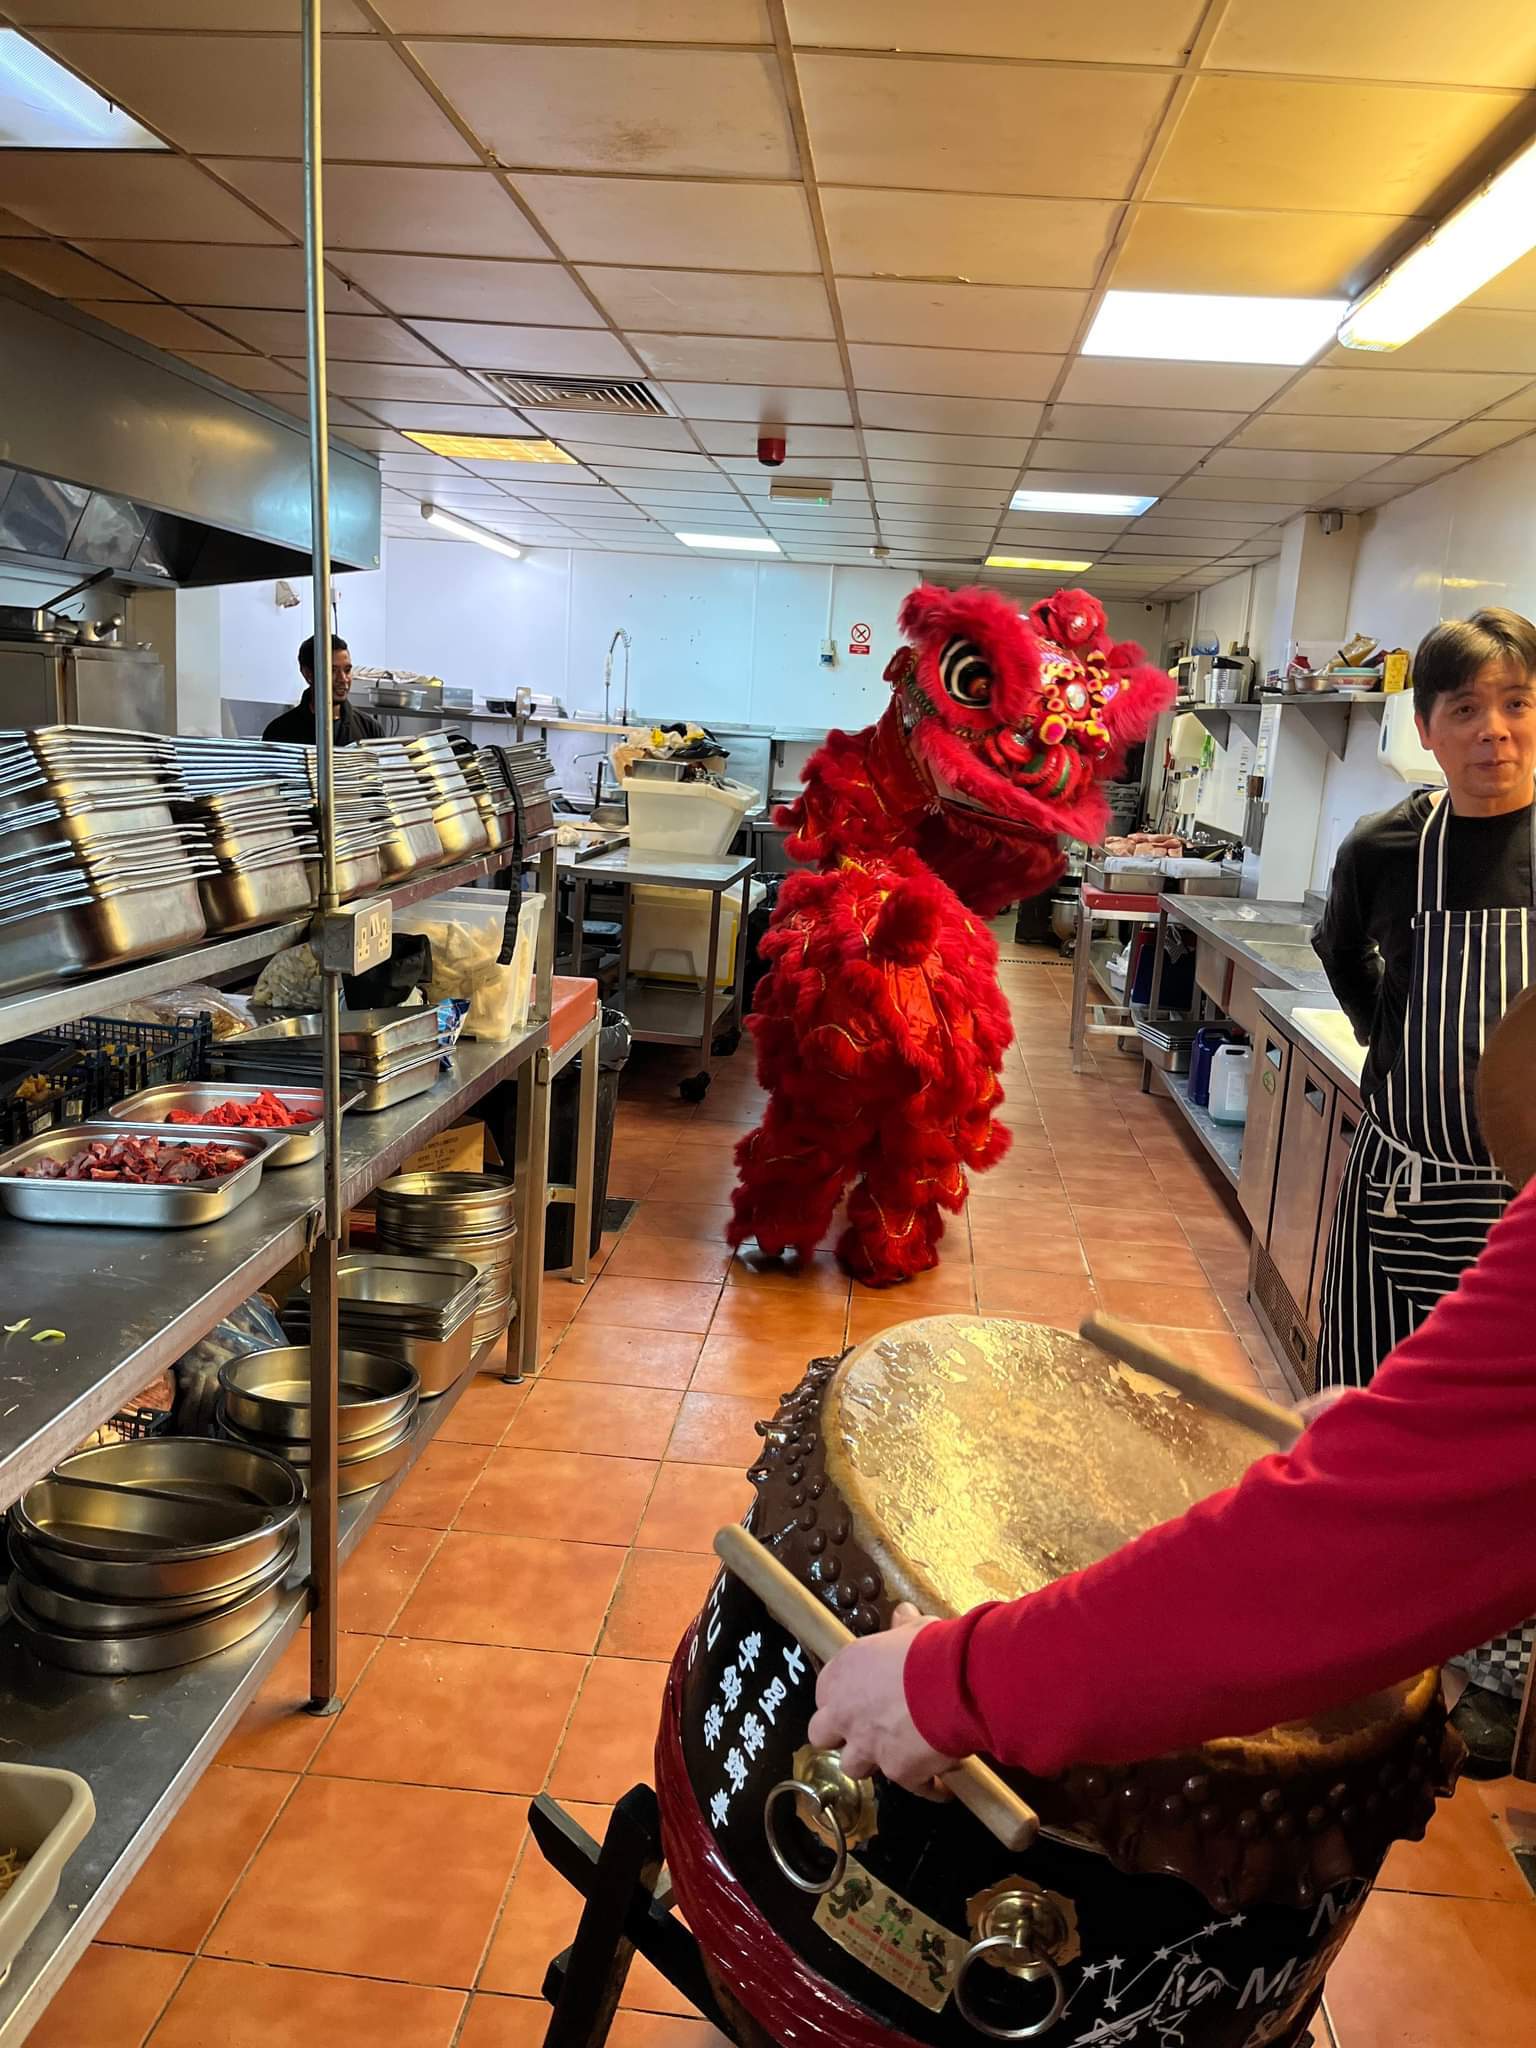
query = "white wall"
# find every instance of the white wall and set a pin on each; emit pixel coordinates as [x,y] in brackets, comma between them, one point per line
[242,632]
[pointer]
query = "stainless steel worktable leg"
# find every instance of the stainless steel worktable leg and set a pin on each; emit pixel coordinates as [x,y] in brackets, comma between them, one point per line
[532,1173]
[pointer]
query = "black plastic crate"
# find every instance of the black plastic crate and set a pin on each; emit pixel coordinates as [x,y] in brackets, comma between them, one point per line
[119,1057]
[23,1064]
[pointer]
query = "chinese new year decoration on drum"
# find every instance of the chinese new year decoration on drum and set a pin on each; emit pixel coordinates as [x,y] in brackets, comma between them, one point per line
[880,1026]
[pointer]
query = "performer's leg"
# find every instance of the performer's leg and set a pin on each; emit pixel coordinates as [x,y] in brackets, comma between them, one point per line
[794,1168]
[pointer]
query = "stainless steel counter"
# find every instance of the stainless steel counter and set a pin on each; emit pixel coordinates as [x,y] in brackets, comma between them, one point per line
[1298,1014]
[1223,921]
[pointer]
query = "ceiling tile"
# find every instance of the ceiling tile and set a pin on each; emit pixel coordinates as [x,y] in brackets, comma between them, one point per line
[1521,407]
[566,108]
[663,21]
[64,272]
[890,123]
[670,221]
[711,302]
[983,476]
[602,456]
[996,451]
[1388,147]
[1514,287]
[1301,466]
[1492,44]
[401,381]
[1046,540]
[1283,255]
[1254,490]
[139,194]
[1114,32]
[1477,437]
[360,337]
[1364,497]
[815,444]
[381,206]
[707,356]
[1304,430]
[966,238]
[1095,455]
[575,423]
[1166,545]
[1154,425]
[341,414]
[953,372]
[565,351]
[1415,469]
[1144,483]
[1114,380]
[163,326]
[775,404]
[939,494]
[760,475]
[1195,531]
[203,274]
[1258,506]
[469,288]
[427,416]
[193,90]
[252,373]
[1471,338]
[640,480]
[977,316]
[1396,394]
[337,17]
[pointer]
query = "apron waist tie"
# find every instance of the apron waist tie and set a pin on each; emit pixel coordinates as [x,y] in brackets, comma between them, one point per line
[1411,1164]
[1410,1167]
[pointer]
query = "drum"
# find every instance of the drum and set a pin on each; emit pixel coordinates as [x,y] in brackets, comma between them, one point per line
[1193,1901]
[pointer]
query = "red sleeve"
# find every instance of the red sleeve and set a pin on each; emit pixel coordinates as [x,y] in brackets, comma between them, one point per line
[1399,1532]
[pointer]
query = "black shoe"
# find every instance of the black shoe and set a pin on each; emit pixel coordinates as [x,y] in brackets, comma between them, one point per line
[1486,1722]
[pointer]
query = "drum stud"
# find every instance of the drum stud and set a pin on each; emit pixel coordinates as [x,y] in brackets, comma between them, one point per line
[1373,1802]
[1415,1774]
[817,1543]
[1093,1784]
[1272,1801]
[1210,1817]
[1337,1794]
[1389,1774]
[1317,1818]
[848,1595]
[833,1568]
[1249,1822]
[840,1529]
[867,1621]
[797,1499]
[1173,1807]
[1285,1827]
[869,1586]
[1134,1796]
[1197,1787]
[806,1518]
[818,1487]
[1350,1814]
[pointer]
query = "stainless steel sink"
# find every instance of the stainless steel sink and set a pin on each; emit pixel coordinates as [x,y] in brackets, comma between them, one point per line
[1287,956]
[1275,935]
[1334,1030]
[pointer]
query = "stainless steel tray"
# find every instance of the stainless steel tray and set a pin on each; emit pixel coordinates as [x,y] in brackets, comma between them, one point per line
[266,1393]
[197,1466]
[58,1608]
[151,1649]
[399,1280]
[302,1142]
[106,930]
[95,1202]
[159,1578]
[245,896]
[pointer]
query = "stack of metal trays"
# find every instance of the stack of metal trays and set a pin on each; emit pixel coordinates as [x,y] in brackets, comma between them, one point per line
[408,841]
[220,767]
[94,870]
[464,1216]
[528,773]
[140,1556]
[359,866]
[467,754]
[401,1305]
[264,1405]
[387,1056]
[1167,1040]
[261,852]
[454,810]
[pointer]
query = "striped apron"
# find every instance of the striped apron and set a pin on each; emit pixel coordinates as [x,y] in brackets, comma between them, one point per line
[1420,1192]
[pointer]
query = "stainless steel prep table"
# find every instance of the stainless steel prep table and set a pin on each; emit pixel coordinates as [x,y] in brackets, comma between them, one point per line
[664,1015]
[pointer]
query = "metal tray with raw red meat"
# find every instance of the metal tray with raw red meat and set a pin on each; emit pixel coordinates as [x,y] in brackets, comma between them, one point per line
[138,1205]
[292,1144]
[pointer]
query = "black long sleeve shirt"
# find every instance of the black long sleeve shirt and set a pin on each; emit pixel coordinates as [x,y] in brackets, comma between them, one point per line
[297,725]
[1365,939]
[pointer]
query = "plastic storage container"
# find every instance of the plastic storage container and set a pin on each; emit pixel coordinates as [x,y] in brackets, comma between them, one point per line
[1207,1041]
[468,931]
[45,1815]
[669,934]
[1231,1066]
[700,818]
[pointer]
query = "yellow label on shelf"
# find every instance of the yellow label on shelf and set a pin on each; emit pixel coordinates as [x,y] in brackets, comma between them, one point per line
[888,1935]
[460,1149]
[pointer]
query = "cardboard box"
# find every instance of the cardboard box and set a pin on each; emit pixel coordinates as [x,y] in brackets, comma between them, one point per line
[459,1149]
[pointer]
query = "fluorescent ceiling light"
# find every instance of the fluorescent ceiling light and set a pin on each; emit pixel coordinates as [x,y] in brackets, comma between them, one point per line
[43,106]
[1202,327]
[466,529]
[1106,504]
[745,543]
[1035,562]
[1485,234]
[488,447]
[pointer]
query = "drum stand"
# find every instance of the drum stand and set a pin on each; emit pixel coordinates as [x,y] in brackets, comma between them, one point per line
[628,1909]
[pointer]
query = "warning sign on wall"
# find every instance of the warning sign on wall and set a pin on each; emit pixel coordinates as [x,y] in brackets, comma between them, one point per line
[858,639]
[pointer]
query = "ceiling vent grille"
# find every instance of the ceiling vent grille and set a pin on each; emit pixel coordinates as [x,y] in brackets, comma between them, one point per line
[580,394]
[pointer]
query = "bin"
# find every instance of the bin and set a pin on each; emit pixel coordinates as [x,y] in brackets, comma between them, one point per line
[612,1055]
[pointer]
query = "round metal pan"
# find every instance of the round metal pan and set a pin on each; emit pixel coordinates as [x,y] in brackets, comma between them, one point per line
[150,1578]
[349,1450]
[56,1608]
[152,1649]
[266,1393]
[112,1526]
[199,1466]
[366,1472]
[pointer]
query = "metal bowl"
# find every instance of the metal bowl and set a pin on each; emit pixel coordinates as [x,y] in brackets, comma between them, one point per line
[150,1578]
[58,1608]
[458,1204]
[198,1466]
[150,1649]
[266,1393]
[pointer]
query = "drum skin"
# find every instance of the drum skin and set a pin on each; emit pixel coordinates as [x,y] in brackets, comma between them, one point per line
[1177,1936]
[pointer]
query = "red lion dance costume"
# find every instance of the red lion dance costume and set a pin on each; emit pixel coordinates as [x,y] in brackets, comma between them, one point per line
[880,1026]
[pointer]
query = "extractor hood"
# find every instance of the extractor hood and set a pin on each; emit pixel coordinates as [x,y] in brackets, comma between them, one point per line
[115,456]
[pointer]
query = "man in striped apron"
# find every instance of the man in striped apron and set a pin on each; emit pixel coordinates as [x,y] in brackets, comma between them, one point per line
[1428,936]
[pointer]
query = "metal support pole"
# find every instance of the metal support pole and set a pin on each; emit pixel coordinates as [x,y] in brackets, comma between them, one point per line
[323,1342]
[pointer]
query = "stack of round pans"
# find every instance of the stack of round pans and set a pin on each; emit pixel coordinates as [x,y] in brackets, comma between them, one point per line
[402,1305]
[264,1403]
[136,1557]
[458,1216]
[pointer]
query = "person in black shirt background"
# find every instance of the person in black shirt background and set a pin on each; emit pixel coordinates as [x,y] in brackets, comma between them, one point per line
[298,723]
[1428,936]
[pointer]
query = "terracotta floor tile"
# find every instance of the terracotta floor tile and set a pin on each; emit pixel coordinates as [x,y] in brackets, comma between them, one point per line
[377,1579]
[1435,1973]
[747,1367]
[332,1888]
[111,1999]
[560,1299]
[1149,1224]
[945,1286]
[605,1355]
[819,1278]
[695,1182]
[1059,1299]
[878,1310]
[568,1494]
[690,1503]
[650,1304]
[1215,1351]
[613,1732]
[697,1219]
[1462,1856]
[661,2029]
[1053,1246]
[1145,1265]
[775,1317]
[484,1411]
[617,1422]
[437,1485]
[632,1181]
[518,1592]
[1183,1308]
[456,1714]
[277,1732]
[537,1922]
[668,1258]
[659,1593]
[495,2022]
[239,2005]
[717,1429]
[197,1862]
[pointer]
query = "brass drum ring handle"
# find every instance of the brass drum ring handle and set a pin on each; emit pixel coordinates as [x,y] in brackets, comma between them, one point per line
[1039,1966]
[795,1789]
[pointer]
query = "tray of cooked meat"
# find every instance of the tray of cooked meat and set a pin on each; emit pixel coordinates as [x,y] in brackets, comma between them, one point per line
[99,1173]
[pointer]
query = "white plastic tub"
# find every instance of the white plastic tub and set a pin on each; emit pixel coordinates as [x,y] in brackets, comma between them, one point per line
[669,934]
[46,1815]
[685,817]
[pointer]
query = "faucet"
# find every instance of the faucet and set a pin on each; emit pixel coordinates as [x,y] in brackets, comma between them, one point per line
[621,634]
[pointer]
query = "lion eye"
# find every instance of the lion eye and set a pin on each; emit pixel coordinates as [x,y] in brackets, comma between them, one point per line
[965,673]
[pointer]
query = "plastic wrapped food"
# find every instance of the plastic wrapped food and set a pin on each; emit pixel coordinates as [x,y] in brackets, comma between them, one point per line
[253,1326]
[289,981]
[467,930]
[227,1013]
